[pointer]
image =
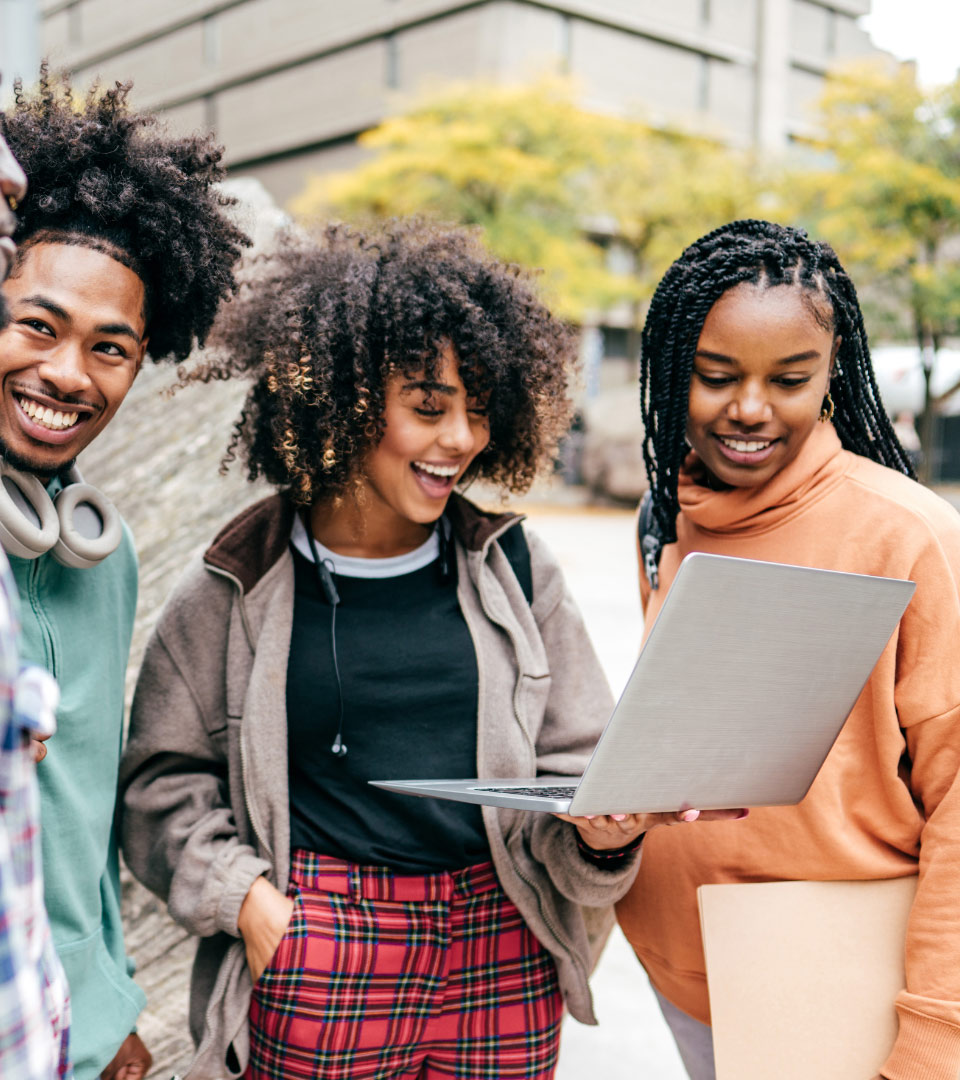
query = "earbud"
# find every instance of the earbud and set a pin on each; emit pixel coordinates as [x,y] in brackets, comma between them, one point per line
[325,571]
[327,583]
[447,562]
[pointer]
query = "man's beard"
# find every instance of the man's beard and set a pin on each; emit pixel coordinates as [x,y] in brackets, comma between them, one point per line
[23,464]
[4,311]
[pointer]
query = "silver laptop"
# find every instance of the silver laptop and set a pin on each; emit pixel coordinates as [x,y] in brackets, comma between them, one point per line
[737,697]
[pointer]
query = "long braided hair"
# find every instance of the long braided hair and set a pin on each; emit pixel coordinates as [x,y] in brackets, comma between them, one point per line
[764,254]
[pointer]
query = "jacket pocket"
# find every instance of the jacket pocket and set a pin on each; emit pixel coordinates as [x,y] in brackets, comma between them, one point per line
[532,695]
[224,1045]
[104,1001]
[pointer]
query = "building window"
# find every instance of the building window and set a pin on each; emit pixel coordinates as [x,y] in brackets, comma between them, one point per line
[566,43]
[703,84]
[74,24]
[393,62]
[210,112]
[616,342]
[211,41]
[831,37]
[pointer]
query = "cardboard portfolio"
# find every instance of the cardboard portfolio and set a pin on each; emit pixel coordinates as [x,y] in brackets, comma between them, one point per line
[802,976]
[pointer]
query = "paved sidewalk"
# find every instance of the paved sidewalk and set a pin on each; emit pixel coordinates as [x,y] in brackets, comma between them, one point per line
[597,549]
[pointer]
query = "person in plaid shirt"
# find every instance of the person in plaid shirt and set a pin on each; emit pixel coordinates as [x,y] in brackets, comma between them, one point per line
[34,1011]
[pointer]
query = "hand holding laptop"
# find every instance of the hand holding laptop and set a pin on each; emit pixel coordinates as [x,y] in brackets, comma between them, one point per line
[607,832]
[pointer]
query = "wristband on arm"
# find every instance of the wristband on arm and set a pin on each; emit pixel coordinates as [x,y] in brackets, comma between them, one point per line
[613,859]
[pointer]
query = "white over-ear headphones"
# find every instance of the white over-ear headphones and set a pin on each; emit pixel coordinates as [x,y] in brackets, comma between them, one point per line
[79,526]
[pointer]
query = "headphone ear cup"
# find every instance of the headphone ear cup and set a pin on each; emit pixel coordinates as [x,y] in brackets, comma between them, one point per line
[28,520]
[90,527]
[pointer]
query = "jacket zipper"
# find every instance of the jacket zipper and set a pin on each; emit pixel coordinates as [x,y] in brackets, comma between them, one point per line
[243,757]
[222,974]
[506,629]
[49,644]
[215,995]
[547,920]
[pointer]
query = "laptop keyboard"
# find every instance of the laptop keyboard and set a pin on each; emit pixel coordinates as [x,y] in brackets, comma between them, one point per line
[545,792]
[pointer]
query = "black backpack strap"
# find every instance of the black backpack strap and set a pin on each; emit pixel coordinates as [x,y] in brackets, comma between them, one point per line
[649,537]
[513,543]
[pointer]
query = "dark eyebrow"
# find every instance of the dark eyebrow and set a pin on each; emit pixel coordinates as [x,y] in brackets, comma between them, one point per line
[810,354]
[429,387]
[58,312]
[119,328]
[48,305]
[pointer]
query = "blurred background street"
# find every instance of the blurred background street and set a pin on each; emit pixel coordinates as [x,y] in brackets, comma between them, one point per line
[597,549]
[587,139]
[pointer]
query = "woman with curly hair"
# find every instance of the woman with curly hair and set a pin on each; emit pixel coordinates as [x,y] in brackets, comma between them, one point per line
[123,250]
[367,622]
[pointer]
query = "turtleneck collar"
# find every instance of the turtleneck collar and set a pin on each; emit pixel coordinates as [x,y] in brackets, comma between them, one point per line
[814,471]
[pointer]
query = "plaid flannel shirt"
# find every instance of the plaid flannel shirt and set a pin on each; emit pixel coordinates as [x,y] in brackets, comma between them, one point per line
[34,1007]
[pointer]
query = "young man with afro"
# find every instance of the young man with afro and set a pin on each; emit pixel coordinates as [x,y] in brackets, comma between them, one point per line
[123,251]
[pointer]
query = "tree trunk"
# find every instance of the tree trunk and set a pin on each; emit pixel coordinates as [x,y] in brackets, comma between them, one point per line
[927,426]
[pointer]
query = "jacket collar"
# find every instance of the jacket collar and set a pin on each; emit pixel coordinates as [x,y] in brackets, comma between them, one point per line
[248,546]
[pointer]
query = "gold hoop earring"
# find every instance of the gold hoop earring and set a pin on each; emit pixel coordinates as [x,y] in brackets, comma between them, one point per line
[826,410]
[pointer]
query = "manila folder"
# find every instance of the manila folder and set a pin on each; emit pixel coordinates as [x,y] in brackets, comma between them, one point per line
[802,976]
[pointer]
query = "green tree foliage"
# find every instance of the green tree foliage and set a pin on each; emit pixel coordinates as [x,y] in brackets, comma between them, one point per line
[889,199]
[551,184]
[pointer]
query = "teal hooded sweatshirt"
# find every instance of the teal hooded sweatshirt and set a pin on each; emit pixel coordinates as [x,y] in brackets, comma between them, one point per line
[77,624]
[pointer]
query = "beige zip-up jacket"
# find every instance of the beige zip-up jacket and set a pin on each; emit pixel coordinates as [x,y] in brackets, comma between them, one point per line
[204,776]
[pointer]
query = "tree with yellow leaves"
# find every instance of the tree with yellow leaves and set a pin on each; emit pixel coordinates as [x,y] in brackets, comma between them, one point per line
[889,200]
[549,183]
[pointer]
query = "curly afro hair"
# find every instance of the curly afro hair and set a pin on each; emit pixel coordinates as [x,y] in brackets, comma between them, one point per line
[102,176]
[332,320]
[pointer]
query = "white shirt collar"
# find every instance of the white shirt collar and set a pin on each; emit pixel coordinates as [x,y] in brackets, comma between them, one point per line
[351,566]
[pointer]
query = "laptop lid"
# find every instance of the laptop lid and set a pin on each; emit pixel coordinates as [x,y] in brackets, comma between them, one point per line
[742,686]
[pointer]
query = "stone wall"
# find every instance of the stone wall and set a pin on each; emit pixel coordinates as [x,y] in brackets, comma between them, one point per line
[158,461]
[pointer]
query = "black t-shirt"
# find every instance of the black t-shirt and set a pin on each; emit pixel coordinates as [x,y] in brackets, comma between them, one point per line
[408,670]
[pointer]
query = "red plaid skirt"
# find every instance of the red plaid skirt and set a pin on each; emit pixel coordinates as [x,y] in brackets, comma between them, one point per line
[382,975]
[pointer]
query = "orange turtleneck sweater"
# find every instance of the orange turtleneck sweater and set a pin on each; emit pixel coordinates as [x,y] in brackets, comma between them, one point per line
[887,801]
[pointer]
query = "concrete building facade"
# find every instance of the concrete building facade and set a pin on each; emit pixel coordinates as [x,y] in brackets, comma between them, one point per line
[289,84]
[19,44]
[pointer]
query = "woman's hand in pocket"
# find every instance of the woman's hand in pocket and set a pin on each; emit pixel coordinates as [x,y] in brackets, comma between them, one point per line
[263,920]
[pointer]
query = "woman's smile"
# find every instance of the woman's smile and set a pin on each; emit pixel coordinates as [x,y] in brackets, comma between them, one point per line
[437,479]
[746,449]
[761,370]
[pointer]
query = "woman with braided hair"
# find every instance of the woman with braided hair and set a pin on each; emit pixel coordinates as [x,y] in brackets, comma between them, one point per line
[765,438]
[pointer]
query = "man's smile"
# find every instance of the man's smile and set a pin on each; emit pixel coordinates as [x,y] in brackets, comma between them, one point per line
[56,421]
[48,419]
